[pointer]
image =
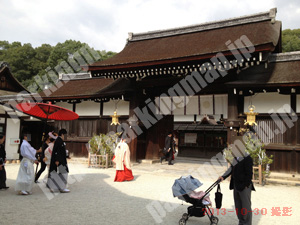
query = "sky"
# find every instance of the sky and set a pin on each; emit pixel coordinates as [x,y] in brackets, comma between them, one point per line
[104,24]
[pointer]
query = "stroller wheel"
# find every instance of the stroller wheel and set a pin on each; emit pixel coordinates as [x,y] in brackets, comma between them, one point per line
[185,216]
[214,220]
[182,221]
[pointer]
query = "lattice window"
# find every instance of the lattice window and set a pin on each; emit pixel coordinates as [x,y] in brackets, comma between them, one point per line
[270,131]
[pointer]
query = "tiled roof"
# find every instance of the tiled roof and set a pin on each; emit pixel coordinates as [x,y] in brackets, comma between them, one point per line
[11,83]
[7,93]
[87,88]
[284,57]
[258,17]
[193,42]
[282,70]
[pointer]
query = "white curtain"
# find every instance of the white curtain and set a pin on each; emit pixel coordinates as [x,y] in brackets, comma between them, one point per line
[206,104]
[221,105]
[192,106]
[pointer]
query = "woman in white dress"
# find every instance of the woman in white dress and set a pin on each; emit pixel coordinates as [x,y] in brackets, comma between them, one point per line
[48,151]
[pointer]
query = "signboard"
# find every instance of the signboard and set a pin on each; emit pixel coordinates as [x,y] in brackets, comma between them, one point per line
[190,138]
[14,141]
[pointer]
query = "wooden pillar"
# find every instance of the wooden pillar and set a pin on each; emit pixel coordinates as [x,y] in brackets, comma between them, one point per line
[294,129]
[5,124]
[151,145]
[233,122]
[232,105]
[152,142]
[101,108]
[134,102]
[290,136]
[241,104]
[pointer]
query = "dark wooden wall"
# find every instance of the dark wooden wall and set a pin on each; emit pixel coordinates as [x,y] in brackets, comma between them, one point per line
[82,130]
[35,129]
[152,140]
[156,135]
[209,144]
[287,161]
[284,146]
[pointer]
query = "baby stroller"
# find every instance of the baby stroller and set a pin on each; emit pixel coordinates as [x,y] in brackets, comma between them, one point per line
[181,189]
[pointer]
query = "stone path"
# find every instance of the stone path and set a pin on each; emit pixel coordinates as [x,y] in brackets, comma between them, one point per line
[96,199]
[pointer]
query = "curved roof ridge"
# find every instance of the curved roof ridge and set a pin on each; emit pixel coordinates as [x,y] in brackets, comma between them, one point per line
[75,76]
[257,17]
[285,56]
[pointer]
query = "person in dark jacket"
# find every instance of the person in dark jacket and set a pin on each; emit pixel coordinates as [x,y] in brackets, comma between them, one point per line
[58,172]
[2,163]
[168,150]
[241,171]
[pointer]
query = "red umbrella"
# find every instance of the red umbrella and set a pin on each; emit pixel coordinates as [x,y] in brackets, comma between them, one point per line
[47,111]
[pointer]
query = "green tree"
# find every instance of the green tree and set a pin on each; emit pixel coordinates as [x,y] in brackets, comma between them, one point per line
[42,55]
[106,55]
[68,57]
[26,62]
[290,40]
[63,52]
[4,45]
[20,59]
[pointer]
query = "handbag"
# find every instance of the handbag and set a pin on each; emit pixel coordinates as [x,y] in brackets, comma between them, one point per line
[218,197]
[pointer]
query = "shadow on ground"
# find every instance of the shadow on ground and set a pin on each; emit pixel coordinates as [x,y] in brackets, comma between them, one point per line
[96,199]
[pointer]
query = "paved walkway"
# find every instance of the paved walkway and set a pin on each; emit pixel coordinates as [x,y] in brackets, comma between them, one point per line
[96,199]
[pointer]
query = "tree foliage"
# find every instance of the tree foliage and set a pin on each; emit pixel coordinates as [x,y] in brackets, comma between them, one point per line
[26,62]
[63,51]
[290,40]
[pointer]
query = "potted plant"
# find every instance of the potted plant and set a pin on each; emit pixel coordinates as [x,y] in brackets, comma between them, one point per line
[101,148]
[256,149]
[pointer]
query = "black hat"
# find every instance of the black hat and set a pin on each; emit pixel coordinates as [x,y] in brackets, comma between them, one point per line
[62,131]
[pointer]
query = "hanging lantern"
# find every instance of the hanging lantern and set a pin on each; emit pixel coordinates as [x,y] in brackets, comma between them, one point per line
[115,119]
[251,116]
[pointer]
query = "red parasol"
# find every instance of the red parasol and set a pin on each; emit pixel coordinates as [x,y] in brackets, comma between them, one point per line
[47,111]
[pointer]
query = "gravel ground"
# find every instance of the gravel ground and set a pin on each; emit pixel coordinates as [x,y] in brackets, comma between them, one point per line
[96,199]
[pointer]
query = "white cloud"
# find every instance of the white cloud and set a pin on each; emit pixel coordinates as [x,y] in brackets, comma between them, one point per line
[104,25]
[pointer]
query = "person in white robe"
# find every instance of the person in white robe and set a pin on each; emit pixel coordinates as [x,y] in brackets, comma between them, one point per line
[122,156]
[25,177]
[122,161]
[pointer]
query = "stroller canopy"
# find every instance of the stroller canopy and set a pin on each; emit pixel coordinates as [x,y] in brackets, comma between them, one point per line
[185,185]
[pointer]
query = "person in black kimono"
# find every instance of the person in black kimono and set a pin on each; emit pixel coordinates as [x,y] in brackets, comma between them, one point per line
[168,150]
[58,172]
[2,163]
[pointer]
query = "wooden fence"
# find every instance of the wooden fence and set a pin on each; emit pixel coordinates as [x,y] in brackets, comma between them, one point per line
[100,161]
[259,178]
